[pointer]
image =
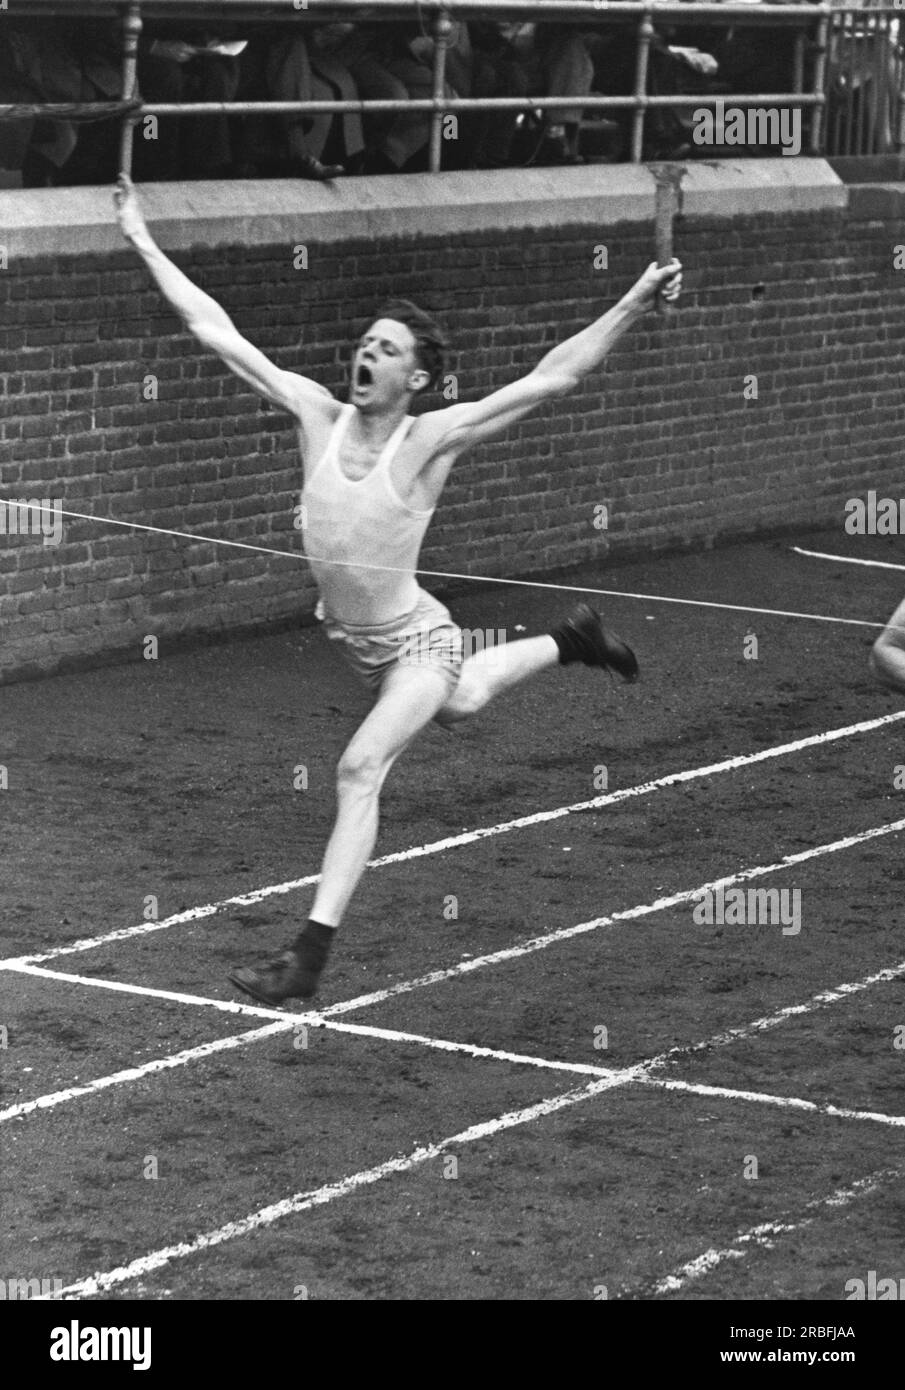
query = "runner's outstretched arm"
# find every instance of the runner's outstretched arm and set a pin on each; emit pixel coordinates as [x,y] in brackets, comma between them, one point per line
[460,427]
[210,324]
[887,659]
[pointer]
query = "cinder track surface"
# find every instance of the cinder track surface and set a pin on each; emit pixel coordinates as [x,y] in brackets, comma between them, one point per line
[394,1162]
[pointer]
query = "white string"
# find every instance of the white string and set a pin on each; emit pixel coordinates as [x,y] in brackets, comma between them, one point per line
[472,578]
[847,559]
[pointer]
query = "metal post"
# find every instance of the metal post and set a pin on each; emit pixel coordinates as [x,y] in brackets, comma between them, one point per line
[867,90]
[819,83]
[131,31]
[883,135]
[645,34]
[852,32]
[442,31]
[798,62]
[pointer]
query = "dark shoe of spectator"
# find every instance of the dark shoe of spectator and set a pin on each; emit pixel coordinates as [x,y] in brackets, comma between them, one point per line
[307,167]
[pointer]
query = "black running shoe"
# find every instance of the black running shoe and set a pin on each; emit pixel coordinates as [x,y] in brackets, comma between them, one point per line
[283,978]
[582,637]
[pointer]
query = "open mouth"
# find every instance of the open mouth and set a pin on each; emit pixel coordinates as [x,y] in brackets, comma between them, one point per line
[364,376]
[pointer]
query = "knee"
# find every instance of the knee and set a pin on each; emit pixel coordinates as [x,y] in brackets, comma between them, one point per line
[359,770]
[469,696]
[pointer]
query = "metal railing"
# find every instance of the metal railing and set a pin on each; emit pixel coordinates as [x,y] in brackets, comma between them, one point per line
[857,76]
[865,108]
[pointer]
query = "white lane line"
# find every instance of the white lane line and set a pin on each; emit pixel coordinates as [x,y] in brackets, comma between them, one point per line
[765,1098]
[468,837]
[643,1068]
[101,1282]
[321,1196]
[321,1020]
[608,1080]
[119,1078]
[628,915]
[847,559]
[285,1024]
[765,1235]
[817,1001]
[466,967]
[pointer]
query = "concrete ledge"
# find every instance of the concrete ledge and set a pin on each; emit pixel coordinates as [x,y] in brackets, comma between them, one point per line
[74,221]
[737,188]
[41,222]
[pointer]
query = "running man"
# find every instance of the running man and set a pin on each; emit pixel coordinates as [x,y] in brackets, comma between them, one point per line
[373,475]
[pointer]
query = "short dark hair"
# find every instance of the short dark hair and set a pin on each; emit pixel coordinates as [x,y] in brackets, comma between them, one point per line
[430,340]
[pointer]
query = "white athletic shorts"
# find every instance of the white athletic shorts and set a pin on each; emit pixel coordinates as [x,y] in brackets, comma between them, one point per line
[426,637]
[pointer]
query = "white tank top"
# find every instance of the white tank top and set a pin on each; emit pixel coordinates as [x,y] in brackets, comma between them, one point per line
[362,523]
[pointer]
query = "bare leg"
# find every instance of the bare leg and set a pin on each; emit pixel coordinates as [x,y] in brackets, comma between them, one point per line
[408,702]
[495,669]
[410,698]
[887,659]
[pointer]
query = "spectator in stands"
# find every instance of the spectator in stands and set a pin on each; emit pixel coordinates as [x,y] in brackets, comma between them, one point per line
[555,61]
[489,136]
[676,64]
[178,63]
[866,61]
[392,62]
[337,61]
[21,82]
[61,62]
[312,66]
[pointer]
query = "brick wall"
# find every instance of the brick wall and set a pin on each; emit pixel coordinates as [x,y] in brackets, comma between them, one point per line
[807,302]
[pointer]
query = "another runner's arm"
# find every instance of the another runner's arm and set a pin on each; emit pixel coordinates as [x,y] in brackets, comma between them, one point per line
[887,659]
[210,324]
[460,427]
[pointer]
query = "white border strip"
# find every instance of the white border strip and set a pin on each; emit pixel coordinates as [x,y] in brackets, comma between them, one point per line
[468,837]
